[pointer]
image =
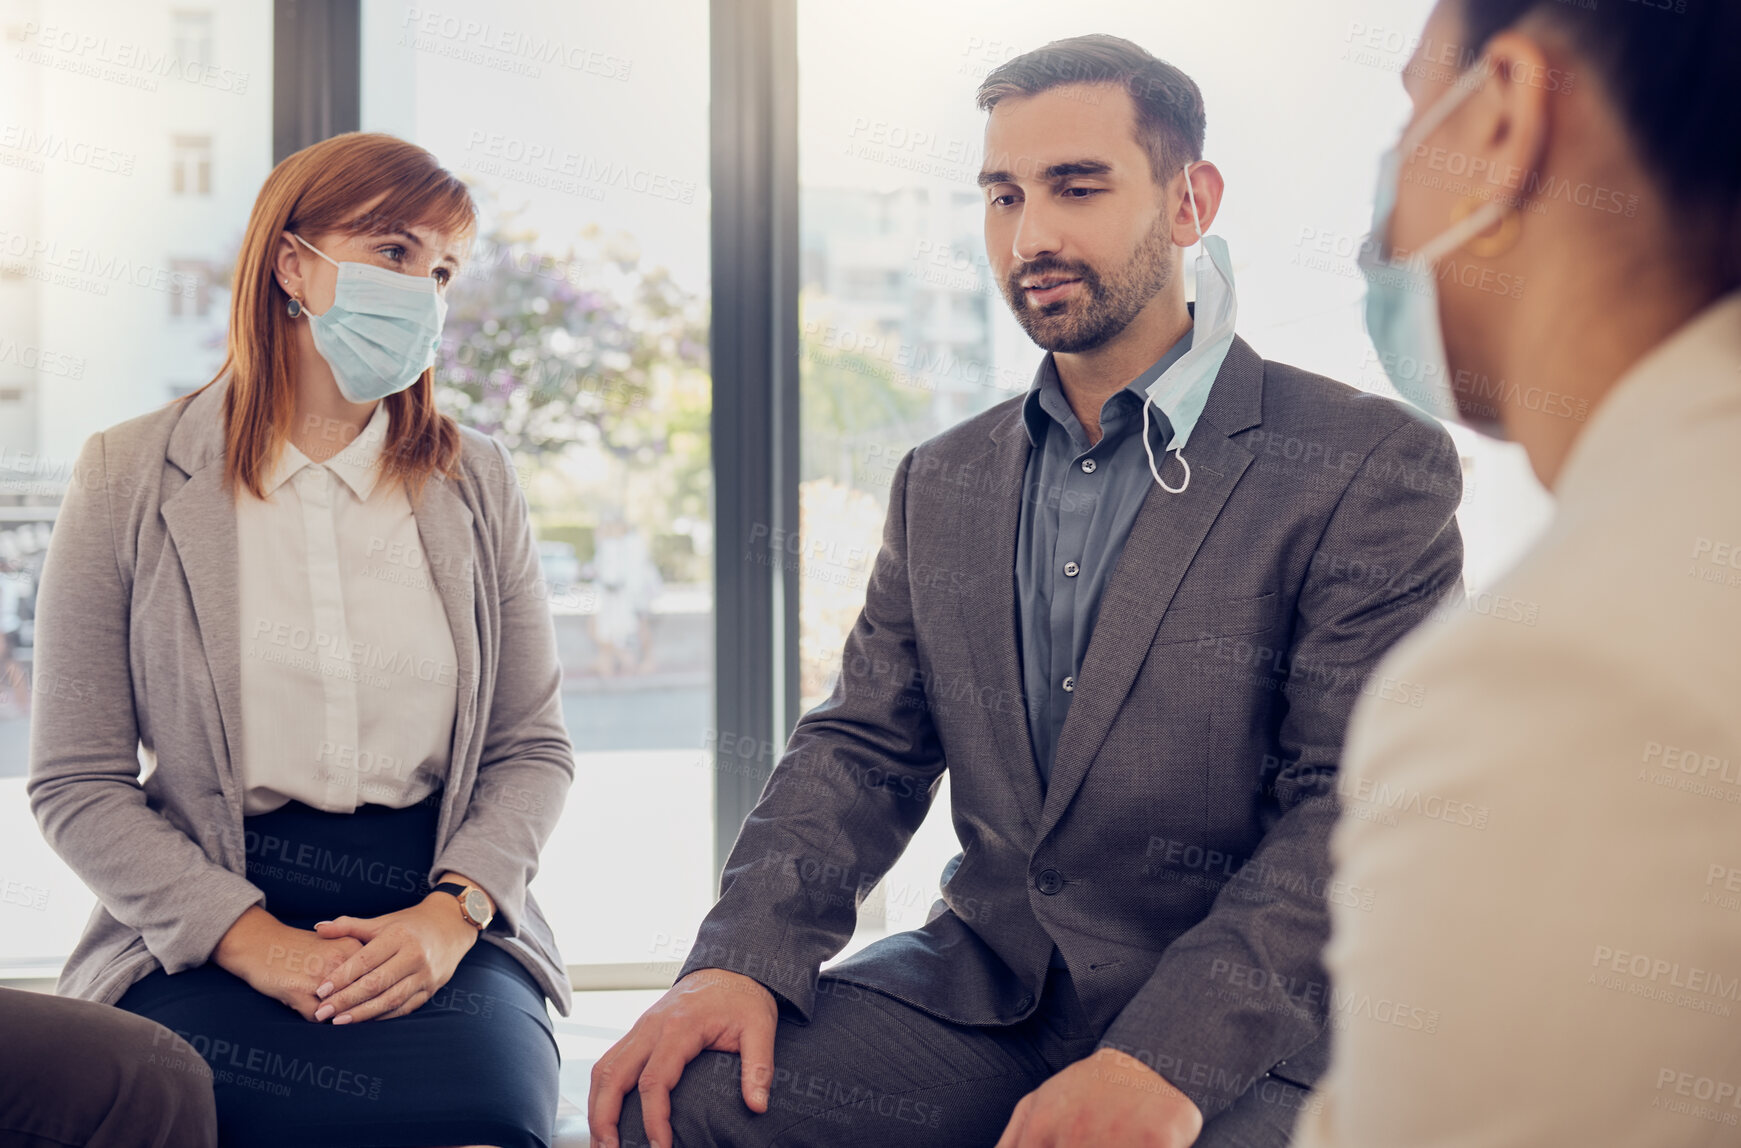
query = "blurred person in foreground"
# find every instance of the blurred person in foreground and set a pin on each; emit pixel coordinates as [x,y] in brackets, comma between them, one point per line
[1554,838]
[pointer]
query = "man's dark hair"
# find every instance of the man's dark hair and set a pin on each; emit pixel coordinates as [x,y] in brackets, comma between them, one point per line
[1674,73]
[1170,122]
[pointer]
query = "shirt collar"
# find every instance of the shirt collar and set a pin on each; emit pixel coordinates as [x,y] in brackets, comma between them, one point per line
[1046,396]
[1672,390]
[355,465]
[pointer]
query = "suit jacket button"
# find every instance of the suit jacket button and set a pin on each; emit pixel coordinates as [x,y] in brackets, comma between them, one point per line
[1049,882]
[1024,1002]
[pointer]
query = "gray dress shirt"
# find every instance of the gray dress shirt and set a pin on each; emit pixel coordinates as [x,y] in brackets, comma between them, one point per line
[1078,503]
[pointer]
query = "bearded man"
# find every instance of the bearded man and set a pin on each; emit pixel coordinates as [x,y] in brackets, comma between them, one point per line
[1129,613]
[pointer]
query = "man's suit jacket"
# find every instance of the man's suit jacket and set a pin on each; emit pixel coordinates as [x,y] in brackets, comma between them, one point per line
[1180,847]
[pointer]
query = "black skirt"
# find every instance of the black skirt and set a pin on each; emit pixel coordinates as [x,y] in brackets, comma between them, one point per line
[477,1064]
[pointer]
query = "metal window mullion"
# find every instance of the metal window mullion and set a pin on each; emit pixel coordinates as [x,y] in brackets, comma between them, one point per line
[316,72]
[754,177]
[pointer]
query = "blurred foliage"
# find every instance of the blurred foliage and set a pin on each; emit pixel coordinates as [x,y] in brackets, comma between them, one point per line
[570,530]
[585,352]
[859,414]
[832,576]
[854,406]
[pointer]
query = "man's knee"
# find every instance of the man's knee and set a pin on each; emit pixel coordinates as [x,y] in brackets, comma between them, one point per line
[707,1106]
[80,1063]
[154,1078]
[1264,1117]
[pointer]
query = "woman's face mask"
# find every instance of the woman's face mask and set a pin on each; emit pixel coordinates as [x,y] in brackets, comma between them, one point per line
[381,331]
[1402,299]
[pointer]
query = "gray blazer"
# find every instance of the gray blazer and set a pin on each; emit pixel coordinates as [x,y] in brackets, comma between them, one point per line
[138,646]
[1178,858]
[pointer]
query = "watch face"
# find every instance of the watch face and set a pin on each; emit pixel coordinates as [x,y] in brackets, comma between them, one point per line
[477,906]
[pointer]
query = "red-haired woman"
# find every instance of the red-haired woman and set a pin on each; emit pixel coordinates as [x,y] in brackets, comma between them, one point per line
[314,602]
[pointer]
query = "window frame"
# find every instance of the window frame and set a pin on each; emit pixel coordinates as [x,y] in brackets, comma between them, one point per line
[753,343]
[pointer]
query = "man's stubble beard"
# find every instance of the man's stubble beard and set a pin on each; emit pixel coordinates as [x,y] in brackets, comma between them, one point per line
[1106,306]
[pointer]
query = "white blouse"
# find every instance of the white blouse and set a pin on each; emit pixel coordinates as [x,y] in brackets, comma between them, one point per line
[349,678]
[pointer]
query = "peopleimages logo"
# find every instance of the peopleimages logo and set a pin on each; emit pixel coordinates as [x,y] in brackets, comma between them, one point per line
[555,162]
[1660,979]
[1691,761]
[265,849]
[135,65]
[38,146]
[478,41]
[263,1070]
[1696,1093]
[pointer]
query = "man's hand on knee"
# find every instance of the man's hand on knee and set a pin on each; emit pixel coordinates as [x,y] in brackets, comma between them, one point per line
[1109,1098]
[708,1009]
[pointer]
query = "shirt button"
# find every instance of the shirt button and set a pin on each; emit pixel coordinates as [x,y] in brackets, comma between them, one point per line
[1088,466]
[1069,685]
[1071,569]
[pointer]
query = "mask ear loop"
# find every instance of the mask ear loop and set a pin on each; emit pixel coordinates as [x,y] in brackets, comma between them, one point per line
[295,308]
[1178,452]
[1191,193]
[314,249]
[1154,468]
[1491,212]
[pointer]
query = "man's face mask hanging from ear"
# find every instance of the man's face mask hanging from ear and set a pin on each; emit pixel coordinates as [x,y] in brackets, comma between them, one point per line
[1183,389]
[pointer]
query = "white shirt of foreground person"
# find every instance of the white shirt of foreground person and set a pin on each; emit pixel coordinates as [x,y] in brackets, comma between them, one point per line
[348,668]
[1550,949]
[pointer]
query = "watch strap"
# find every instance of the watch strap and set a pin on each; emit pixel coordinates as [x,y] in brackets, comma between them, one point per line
[459,891]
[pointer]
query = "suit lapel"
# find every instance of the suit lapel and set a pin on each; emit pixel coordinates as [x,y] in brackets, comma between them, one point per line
[201,521]
[1163,541]
[444,525]
[987,537]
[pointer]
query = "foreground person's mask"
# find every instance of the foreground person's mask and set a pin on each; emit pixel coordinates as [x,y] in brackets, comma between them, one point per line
[1402,297]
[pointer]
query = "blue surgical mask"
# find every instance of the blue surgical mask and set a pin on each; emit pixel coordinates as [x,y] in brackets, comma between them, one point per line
[1402,297]
[1183,388]
[381,331]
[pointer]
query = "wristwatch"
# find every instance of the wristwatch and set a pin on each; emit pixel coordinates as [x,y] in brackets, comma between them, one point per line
[473,905]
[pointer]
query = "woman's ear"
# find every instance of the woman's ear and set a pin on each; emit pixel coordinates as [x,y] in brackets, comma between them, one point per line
[287,266]
[1504,132]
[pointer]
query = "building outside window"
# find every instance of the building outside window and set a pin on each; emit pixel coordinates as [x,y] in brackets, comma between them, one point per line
[190,165]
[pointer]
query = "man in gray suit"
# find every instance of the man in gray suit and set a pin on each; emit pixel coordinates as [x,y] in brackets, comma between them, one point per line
[1132,633]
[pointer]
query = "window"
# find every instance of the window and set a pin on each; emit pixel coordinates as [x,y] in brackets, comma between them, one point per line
[578,336]
[190,165]
[97,246]
[190,288]
[191,31]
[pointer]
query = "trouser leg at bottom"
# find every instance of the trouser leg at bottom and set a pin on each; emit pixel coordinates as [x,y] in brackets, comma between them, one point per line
[75,1072]
[866,1072]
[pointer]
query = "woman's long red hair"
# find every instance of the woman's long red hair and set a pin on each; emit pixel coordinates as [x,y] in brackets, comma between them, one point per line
[324,188]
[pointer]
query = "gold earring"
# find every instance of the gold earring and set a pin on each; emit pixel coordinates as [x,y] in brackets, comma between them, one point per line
[1490,246]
